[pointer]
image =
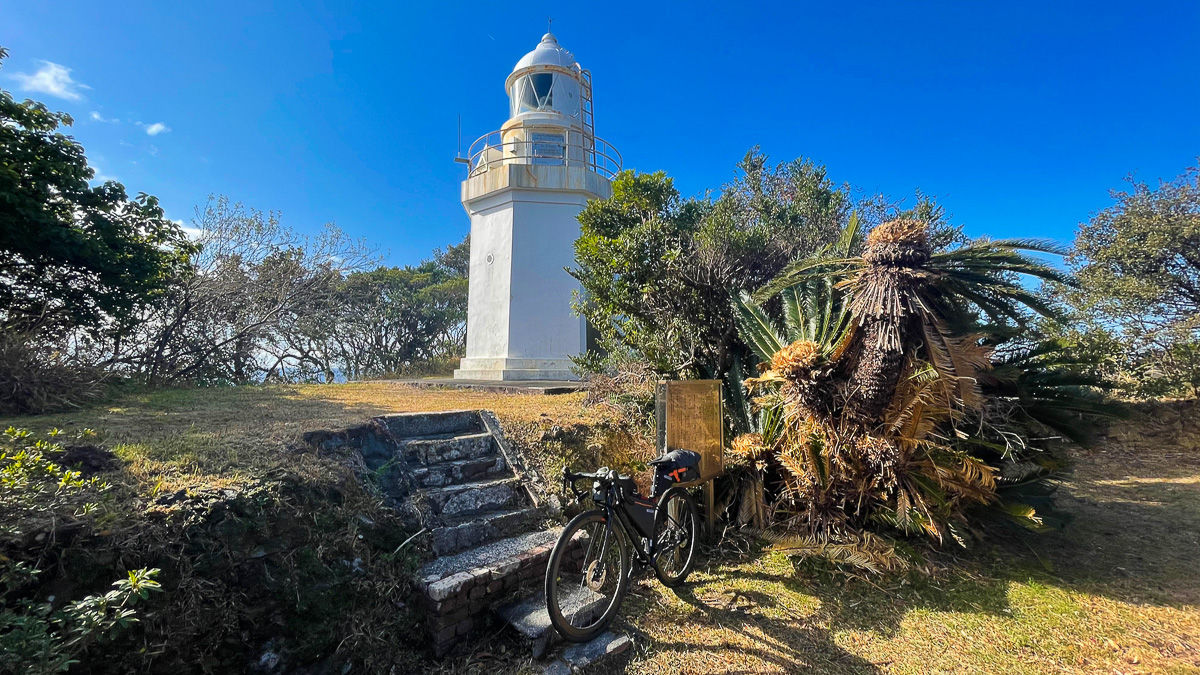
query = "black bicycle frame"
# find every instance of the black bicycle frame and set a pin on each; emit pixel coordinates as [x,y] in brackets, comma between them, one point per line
[615,509]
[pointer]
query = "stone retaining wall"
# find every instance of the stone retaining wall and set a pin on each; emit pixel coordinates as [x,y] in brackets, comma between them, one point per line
[1158,425]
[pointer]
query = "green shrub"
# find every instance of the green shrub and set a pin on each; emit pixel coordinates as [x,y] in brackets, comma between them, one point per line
[40,499]
[35,638]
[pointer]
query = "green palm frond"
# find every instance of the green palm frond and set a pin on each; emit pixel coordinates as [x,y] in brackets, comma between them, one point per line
[805,269]
[756,328]
[1051,390]
[740,410]
[814,310]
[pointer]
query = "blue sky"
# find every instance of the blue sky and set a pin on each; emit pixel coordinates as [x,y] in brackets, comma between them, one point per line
[1018,116]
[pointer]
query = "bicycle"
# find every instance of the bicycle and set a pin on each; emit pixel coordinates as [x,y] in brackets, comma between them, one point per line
[590,566]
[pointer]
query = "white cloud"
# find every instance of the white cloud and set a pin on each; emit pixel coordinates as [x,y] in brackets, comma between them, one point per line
[52,79]
[101,118]
[100,176]
[193,233]
[157,128]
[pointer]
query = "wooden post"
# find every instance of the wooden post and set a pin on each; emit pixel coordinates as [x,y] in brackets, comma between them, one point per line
[710,507]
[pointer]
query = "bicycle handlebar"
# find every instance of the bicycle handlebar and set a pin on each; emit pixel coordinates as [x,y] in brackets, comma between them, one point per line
[604,475]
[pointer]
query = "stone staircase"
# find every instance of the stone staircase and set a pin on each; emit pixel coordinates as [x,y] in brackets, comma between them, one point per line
[476,500]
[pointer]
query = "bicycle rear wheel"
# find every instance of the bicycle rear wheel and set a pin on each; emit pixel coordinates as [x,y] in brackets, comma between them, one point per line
[676,526]
[585,577]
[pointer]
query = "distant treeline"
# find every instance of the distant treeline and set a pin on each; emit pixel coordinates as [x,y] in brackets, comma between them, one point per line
[98,287]
[243,300]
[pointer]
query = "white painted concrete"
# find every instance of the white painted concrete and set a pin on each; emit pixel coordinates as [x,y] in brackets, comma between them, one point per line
[523,205]
[520,325]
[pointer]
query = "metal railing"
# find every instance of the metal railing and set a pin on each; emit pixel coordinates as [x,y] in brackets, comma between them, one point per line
[491,150]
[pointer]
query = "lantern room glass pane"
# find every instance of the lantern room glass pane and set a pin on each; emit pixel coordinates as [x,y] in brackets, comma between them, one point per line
[533,92]
[543,88]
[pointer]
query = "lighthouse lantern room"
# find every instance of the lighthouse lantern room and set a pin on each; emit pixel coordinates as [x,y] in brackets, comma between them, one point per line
[526,184]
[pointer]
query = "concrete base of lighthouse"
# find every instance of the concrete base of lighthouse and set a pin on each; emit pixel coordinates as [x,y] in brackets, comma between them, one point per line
[514,369]
[520,325]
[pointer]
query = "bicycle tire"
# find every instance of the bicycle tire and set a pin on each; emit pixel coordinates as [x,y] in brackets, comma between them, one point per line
[688,520]
[556,597]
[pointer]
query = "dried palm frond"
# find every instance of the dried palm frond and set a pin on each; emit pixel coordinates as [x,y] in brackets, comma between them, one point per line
[752,509]
[960,359]
[748,447]
[902,242]
[881,383]
[796,360]
[865,550]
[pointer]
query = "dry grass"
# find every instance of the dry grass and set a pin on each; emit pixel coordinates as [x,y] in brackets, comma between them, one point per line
[1117,592]
[185,438]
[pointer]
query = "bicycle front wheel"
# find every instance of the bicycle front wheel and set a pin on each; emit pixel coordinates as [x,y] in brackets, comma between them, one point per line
[585,577]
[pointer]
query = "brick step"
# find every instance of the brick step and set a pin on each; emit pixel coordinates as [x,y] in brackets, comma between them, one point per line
[470,531]
[476,497]
[434,449]
[456,588]
[458,471]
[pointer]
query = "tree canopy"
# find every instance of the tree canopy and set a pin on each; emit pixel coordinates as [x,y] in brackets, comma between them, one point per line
[656,269]
[1137,306]
[71,253]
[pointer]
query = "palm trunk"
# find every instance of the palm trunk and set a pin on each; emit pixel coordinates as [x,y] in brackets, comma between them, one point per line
[875,374]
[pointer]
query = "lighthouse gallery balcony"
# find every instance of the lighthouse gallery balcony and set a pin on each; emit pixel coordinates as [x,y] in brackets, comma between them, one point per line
[549,157]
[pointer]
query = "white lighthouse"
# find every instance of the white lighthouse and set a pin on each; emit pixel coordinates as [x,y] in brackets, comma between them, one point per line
[526,185]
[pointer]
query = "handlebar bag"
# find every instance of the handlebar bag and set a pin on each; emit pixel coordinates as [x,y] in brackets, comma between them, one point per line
[675,467]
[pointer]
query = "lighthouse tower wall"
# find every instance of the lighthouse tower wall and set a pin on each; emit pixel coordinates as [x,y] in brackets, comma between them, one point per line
[520,325]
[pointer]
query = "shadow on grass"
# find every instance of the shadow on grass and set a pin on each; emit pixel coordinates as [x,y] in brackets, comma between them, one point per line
[1134,539]
[782,644]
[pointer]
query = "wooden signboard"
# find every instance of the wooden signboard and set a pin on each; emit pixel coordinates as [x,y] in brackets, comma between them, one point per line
[690,417]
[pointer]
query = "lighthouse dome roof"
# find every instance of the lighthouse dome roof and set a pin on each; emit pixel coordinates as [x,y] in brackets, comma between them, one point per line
[548,53]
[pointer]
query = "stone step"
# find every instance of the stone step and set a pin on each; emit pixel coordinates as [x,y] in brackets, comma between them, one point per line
[531,618]
[494,555]
[458,471]
[410,425]
[476,497]
[454,589]
[434,449]
[475,530]
[577,657]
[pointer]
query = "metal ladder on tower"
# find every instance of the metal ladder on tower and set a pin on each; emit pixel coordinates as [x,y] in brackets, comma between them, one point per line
[588,116]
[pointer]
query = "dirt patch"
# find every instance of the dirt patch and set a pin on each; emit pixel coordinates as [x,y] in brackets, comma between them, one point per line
[89,459]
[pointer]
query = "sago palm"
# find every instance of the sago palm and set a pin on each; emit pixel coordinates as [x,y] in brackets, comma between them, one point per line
[877,362]
[904,296]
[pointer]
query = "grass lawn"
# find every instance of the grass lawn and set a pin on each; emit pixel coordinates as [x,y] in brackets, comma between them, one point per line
[1117,592]
[186,438]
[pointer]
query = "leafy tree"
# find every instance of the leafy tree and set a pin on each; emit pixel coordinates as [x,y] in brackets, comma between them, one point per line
[1137,308]
[393,317]
[72,254]
[656,270]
